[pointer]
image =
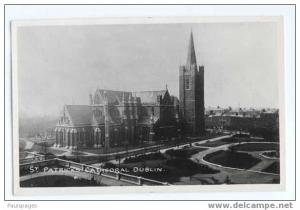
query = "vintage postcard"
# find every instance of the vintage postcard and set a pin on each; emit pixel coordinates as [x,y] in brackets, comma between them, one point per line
[148,105]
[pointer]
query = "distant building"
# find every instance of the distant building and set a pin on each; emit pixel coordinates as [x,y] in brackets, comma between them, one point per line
[257,122]
[115,118]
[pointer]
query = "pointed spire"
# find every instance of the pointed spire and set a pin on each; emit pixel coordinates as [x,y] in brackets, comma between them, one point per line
[191,58]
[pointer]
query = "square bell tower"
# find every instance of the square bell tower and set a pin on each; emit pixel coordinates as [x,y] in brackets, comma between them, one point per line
[191,93]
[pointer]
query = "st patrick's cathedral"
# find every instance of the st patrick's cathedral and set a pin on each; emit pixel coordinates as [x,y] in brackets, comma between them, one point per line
[120,118]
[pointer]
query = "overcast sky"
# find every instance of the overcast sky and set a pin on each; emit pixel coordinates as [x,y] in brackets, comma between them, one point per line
[60,65]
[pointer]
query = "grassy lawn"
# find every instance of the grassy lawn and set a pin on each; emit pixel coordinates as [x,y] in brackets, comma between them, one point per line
[250,147]
[232,159]
[273,168]
[187,167]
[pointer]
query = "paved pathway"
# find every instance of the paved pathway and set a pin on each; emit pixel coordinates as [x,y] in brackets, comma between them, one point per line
[199,157]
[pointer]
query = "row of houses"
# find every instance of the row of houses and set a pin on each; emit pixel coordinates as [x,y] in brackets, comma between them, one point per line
[258,122]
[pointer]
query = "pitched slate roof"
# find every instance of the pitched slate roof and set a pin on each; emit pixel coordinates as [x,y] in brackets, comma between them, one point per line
[113,96]
[150,97]
[116,97]
[83,115]
[79,114]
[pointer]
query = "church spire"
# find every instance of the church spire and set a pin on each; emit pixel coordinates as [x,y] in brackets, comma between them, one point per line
[191,58]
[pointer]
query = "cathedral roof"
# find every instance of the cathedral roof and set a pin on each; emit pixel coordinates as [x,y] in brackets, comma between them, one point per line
[113,96]
[83,115]
[116,97]
[79,114]
[150,96]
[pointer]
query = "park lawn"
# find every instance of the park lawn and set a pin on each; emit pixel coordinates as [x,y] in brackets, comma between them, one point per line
[250,147]
[232,159]
[273,168]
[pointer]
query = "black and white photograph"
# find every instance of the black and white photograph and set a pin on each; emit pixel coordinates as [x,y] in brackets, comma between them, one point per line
[189,102]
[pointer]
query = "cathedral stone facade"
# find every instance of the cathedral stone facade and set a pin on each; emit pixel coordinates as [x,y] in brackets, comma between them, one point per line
[120,118]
